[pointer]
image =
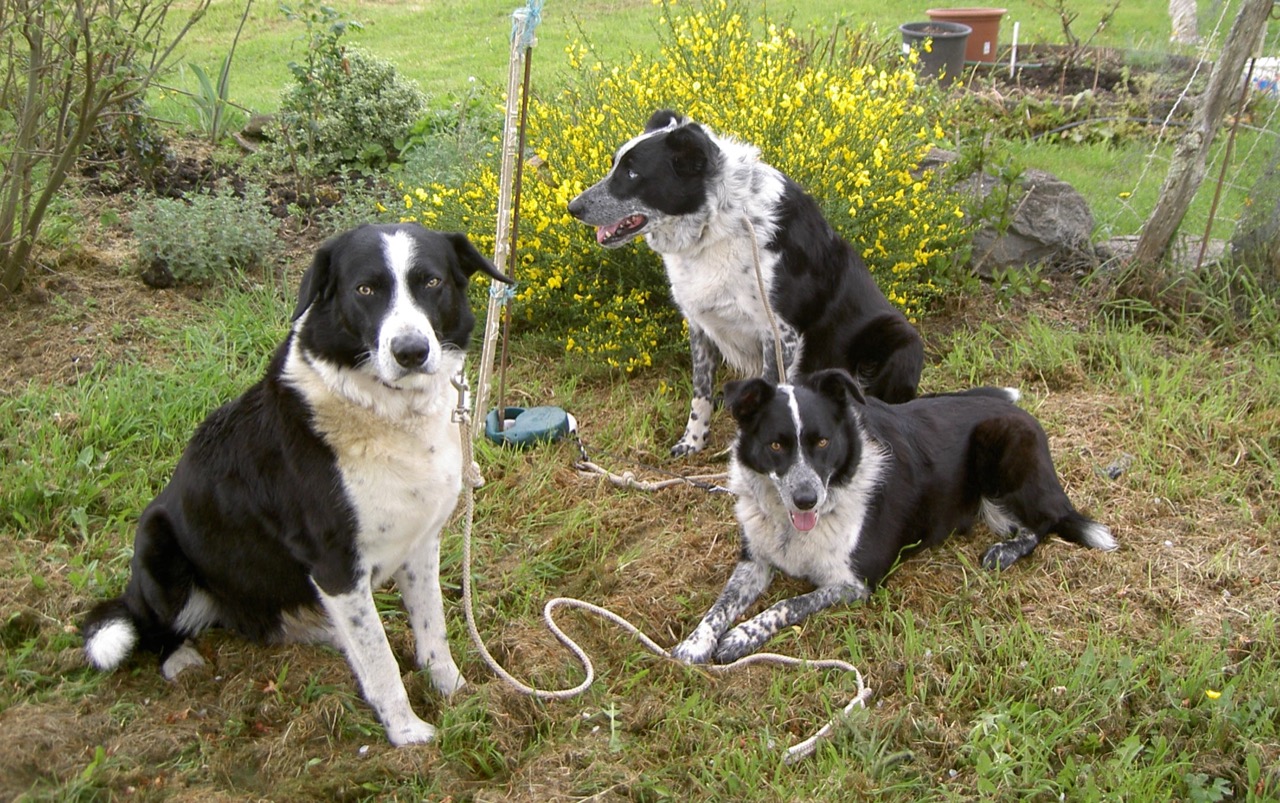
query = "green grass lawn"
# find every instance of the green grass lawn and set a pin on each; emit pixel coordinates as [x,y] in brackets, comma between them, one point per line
[445,43]
[1122,180]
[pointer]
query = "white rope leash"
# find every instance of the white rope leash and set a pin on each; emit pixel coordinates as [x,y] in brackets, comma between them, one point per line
[764,300]
[472,480]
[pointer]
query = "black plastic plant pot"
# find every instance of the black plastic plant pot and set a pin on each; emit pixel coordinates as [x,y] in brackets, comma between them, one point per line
[943,59]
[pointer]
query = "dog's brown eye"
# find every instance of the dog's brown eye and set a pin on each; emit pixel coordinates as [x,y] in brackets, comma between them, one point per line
[364,290]
[777,447]
[822,443]
[433,282]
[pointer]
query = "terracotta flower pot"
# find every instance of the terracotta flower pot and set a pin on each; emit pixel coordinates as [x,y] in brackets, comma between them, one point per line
[985,23]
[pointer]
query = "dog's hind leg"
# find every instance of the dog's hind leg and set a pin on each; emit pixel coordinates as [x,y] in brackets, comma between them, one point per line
[359,632]
[1003,555]
[746,584]
[1022,499]
[887,357]
[419,584]
[705,358]
[752,634]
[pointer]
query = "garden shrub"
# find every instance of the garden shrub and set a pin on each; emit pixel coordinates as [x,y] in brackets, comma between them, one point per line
[847,131]
[200,238]
[353,116]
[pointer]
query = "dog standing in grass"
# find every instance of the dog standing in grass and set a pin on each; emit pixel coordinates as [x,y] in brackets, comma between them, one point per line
[717,214]
[333,474]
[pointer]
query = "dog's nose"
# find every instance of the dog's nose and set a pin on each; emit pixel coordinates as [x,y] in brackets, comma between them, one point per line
[411,351]
[575,207]
[805,499]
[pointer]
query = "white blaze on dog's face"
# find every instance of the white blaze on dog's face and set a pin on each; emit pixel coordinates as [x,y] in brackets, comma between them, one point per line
[803,439]
[656,176]
[407,341]
[394,301]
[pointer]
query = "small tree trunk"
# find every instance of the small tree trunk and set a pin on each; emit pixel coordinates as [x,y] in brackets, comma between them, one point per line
[1182,18]
[1188,166]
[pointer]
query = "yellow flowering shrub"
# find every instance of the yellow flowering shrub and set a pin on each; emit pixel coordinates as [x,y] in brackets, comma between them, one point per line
[849,133]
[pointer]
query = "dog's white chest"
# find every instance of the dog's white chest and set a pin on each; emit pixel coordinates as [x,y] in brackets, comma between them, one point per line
[824,555]
[403,483]
[719,292]
[399,459]
[821,556]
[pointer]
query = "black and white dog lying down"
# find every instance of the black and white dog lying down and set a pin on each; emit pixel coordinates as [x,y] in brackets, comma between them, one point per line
[331,475]
[832,486]
[698,199]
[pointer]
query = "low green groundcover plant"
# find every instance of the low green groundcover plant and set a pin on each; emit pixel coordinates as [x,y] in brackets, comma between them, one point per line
[202,237]
[850,132]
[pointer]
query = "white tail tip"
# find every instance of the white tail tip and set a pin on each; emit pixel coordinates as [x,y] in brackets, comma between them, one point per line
[111,644]
[1099,536]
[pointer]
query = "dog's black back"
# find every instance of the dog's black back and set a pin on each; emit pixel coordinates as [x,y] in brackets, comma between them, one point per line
[922,470]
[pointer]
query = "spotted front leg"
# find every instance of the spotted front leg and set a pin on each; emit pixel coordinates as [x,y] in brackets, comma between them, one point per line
[419,584]
[792,350]
[358,630]
[746,584]
[751,635]
[705,360]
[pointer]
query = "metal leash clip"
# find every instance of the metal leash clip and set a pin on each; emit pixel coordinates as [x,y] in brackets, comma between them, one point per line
[462,413]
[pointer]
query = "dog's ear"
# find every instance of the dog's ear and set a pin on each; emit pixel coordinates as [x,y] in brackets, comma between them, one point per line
[747,397]
[691,150]
[662,118]
[317,282]
[836,384]
[472,260]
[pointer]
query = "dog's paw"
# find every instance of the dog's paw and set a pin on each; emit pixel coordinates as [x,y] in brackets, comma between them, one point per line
[447,679]
[736,644]
[685,446]
[180,660]
[1004,554]
[697,649]
[410,730]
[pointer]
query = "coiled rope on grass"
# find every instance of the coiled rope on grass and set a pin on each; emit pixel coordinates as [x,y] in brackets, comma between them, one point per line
[472,480]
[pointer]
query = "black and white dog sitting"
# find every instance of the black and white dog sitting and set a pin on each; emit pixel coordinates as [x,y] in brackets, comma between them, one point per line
[833,486]
[331,475]
[699,200]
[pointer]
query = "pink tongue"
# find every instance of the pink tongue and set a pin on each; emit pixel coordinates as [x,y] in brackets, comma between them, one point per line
[804,520]
[605,232]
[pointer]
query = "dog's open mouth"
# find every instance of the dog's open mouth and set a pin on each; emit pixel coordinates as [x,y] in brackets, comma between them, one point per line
[804,520]
[620,232]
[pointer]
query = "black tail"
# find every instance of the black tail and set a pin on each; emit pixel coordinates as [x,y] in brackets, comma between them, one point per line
[143,618]
[1080,529]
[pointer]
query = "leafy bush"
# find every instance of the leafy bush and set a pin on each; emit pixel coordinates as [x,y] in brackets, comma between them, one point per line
[847,131]
[197,239]
[351,116]
[66,68]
